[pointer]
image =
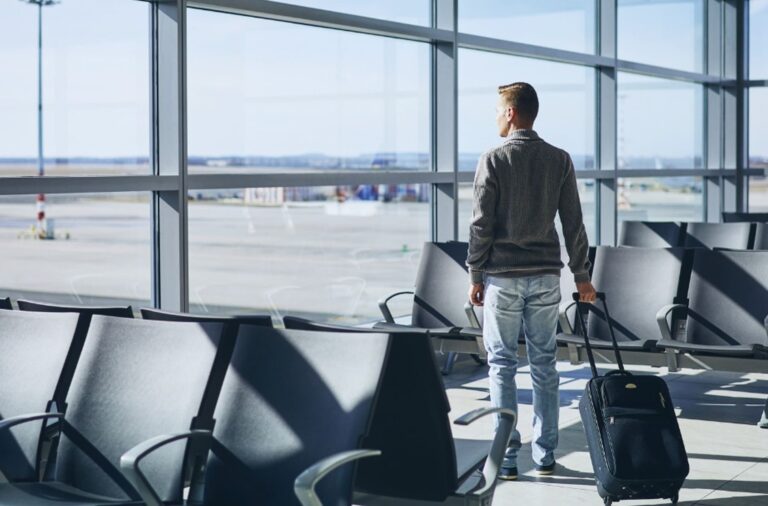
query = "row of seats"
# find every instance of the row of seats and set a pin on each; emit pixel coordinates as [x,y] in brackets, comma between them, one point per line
[719,296]
[130,411]
[684,300]
[656,234]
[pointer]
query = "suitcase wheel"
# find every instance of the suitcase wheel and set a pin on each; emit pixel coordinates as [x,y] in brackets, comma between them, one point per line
[675,498]
[607,501]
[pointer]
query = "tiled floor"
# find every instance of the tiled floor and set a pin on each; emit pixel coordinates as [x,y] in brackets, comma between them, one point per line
[717,412]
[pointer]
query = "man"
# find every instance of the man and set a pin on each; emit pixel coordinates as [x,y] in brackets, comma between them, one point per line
[514,263]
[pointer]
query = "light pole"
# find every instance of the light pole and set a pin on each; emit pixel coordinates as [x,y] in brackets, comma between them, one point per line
[41,228]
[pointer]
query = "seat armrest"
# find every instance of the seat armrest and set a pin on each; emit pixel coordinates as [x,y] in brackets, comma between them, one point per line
[476,414]
[562,316]
[384,305]
[129,462]
[498,445]
[471,332]
[398,327]
[663,323]
[22,419]
[304,486]
[474,321]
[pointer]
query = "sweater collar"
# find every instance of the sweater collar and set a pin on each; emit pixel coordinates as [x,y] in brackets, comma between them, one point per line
[523,135]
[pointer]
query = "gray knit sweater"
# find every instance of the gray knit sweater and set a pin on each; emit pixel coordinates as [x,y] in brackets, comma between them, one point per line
[519,188]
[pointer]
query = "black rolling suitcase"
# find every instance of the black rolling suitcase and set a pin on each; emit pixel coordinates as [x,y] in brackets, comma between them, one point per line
[631,428]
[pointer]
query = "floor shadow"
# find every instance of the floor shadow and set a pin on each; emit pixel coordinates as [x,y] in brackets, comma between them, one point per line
[707,401]
[727,501]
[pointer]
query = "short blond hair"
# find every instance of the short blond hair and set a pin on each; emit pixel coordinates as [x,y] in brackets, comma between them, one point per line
[522,97]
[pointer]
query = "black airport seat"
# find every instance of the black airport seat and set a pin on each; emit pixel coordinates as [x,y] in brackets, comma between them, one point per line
[6,303]
[135,379]
[439,296]
[745,217]
[33,349]
[637,282]
[172,316]
[761,236]
[726,310]
[85,313]
[652,234]
[420,459]
[290,399]
[719,235]
[440,289]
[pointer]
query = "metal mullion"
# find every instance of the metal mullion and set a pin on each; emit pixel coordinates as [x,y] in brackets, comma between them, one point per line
[606,125]
[170,271]
[444,123]
[666,73]
[324,18]
[713,113]
[646,173]
[86,184]
[734,114]
[273,180]
[470,41]
[673,172]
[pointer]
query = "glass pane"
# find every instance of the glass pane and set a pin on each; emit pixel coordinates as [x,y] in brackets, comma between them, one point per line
[641,142]
[660,199]
[758,194]
[758,148]
[586,195]
[560,24]
[327,253]
[667,33]
[566,104]
[272,96]
[100,253]
[758,39]
[95,86]
[415,12]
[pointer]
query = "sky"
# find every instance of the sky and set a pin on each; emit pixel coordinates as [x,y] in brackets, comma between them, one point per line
[258,87]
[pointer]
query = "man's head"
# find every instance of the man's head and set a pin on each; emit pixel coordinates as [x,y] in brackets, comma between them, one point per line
[517,108]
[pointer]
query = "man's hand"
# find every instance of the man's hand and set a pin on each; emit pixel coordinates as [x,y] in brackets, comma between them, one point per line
[587,292]
[476,294]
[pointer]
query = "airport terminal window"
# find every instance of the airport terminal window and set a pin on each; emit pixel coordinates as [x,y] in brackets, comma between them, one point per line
[644,104]
[758,148]
[415,12]
[561,24]
[99,254]
[95,84]
[586,195]
[648,30]
[328,253]
[272,96]
[660,199]
[758,39]
[566,97]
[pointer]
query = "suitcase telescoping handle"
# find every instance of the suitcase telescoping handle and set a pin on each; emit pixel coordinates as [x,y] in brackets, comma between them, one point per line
[580,317]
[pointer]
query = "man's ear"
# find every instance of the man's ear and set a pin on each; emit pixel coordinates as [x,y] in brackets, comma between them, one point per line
[510,113]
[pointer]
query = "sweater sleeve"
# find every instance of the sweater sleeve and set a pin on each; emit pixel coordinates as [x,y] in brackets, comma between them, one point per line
[576,241]
[481,228]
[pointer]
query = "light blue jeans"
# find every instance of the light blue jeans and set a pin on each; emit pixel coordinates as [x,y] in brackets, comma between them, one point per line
[529,303]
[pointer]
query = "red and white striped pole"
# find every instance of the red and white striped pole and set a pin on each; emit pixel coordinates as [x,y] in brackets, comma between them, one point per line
[42,228]
[42,231]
